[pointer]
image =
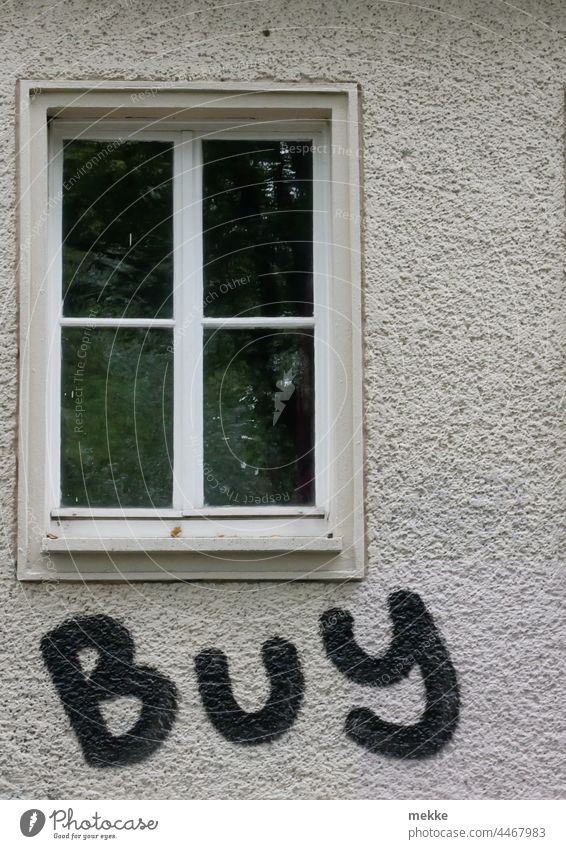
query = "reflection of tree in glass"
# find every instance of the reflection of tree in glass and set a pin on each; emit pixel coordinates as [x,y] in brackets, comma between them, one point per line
[247,456]
[117,403]
[257,216]
[117,228]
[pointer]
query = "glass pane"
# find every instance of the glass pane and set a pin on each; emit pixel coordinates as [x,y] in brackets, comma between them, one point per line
[117,417]
[258,417]
[257,221]
[117,229]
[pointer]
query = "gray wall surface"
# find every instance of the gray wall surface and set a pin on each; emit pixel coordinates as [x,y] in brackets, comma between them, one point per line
[464,254]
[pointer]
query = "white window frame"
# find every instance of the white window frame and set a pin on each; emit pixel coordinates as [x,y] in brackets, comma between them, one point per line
[268,542]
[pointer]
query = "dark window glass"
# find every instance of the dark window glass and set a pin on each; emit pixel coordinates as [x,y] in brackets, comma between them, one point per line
[117,229]
[117,417]
[258,230]
[259,417]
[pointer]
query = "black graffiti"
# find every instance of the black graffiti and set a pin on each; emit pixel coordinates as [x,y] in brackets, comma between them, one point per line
[114,675]
[416,641]
[281,709]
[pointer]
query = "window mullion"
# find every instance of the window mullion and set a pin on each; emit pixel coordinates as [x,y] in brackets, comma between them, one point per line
[257,322]
[187,486]
[87,321]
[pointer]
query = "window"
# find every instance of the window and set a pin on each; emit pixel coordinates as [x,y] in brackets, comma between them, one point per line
[190,348]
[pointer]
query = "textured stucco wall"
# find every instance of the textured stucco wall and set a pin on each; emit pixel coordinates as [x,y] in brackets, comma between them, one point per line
[463,109]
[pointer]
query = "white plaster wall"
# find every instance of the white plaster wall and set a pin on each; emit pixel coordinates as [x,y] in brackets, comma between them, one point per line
[463,110]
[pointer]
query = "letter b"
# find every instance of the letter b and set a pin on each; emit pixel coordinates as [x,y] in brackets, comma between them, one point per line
[114,675]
